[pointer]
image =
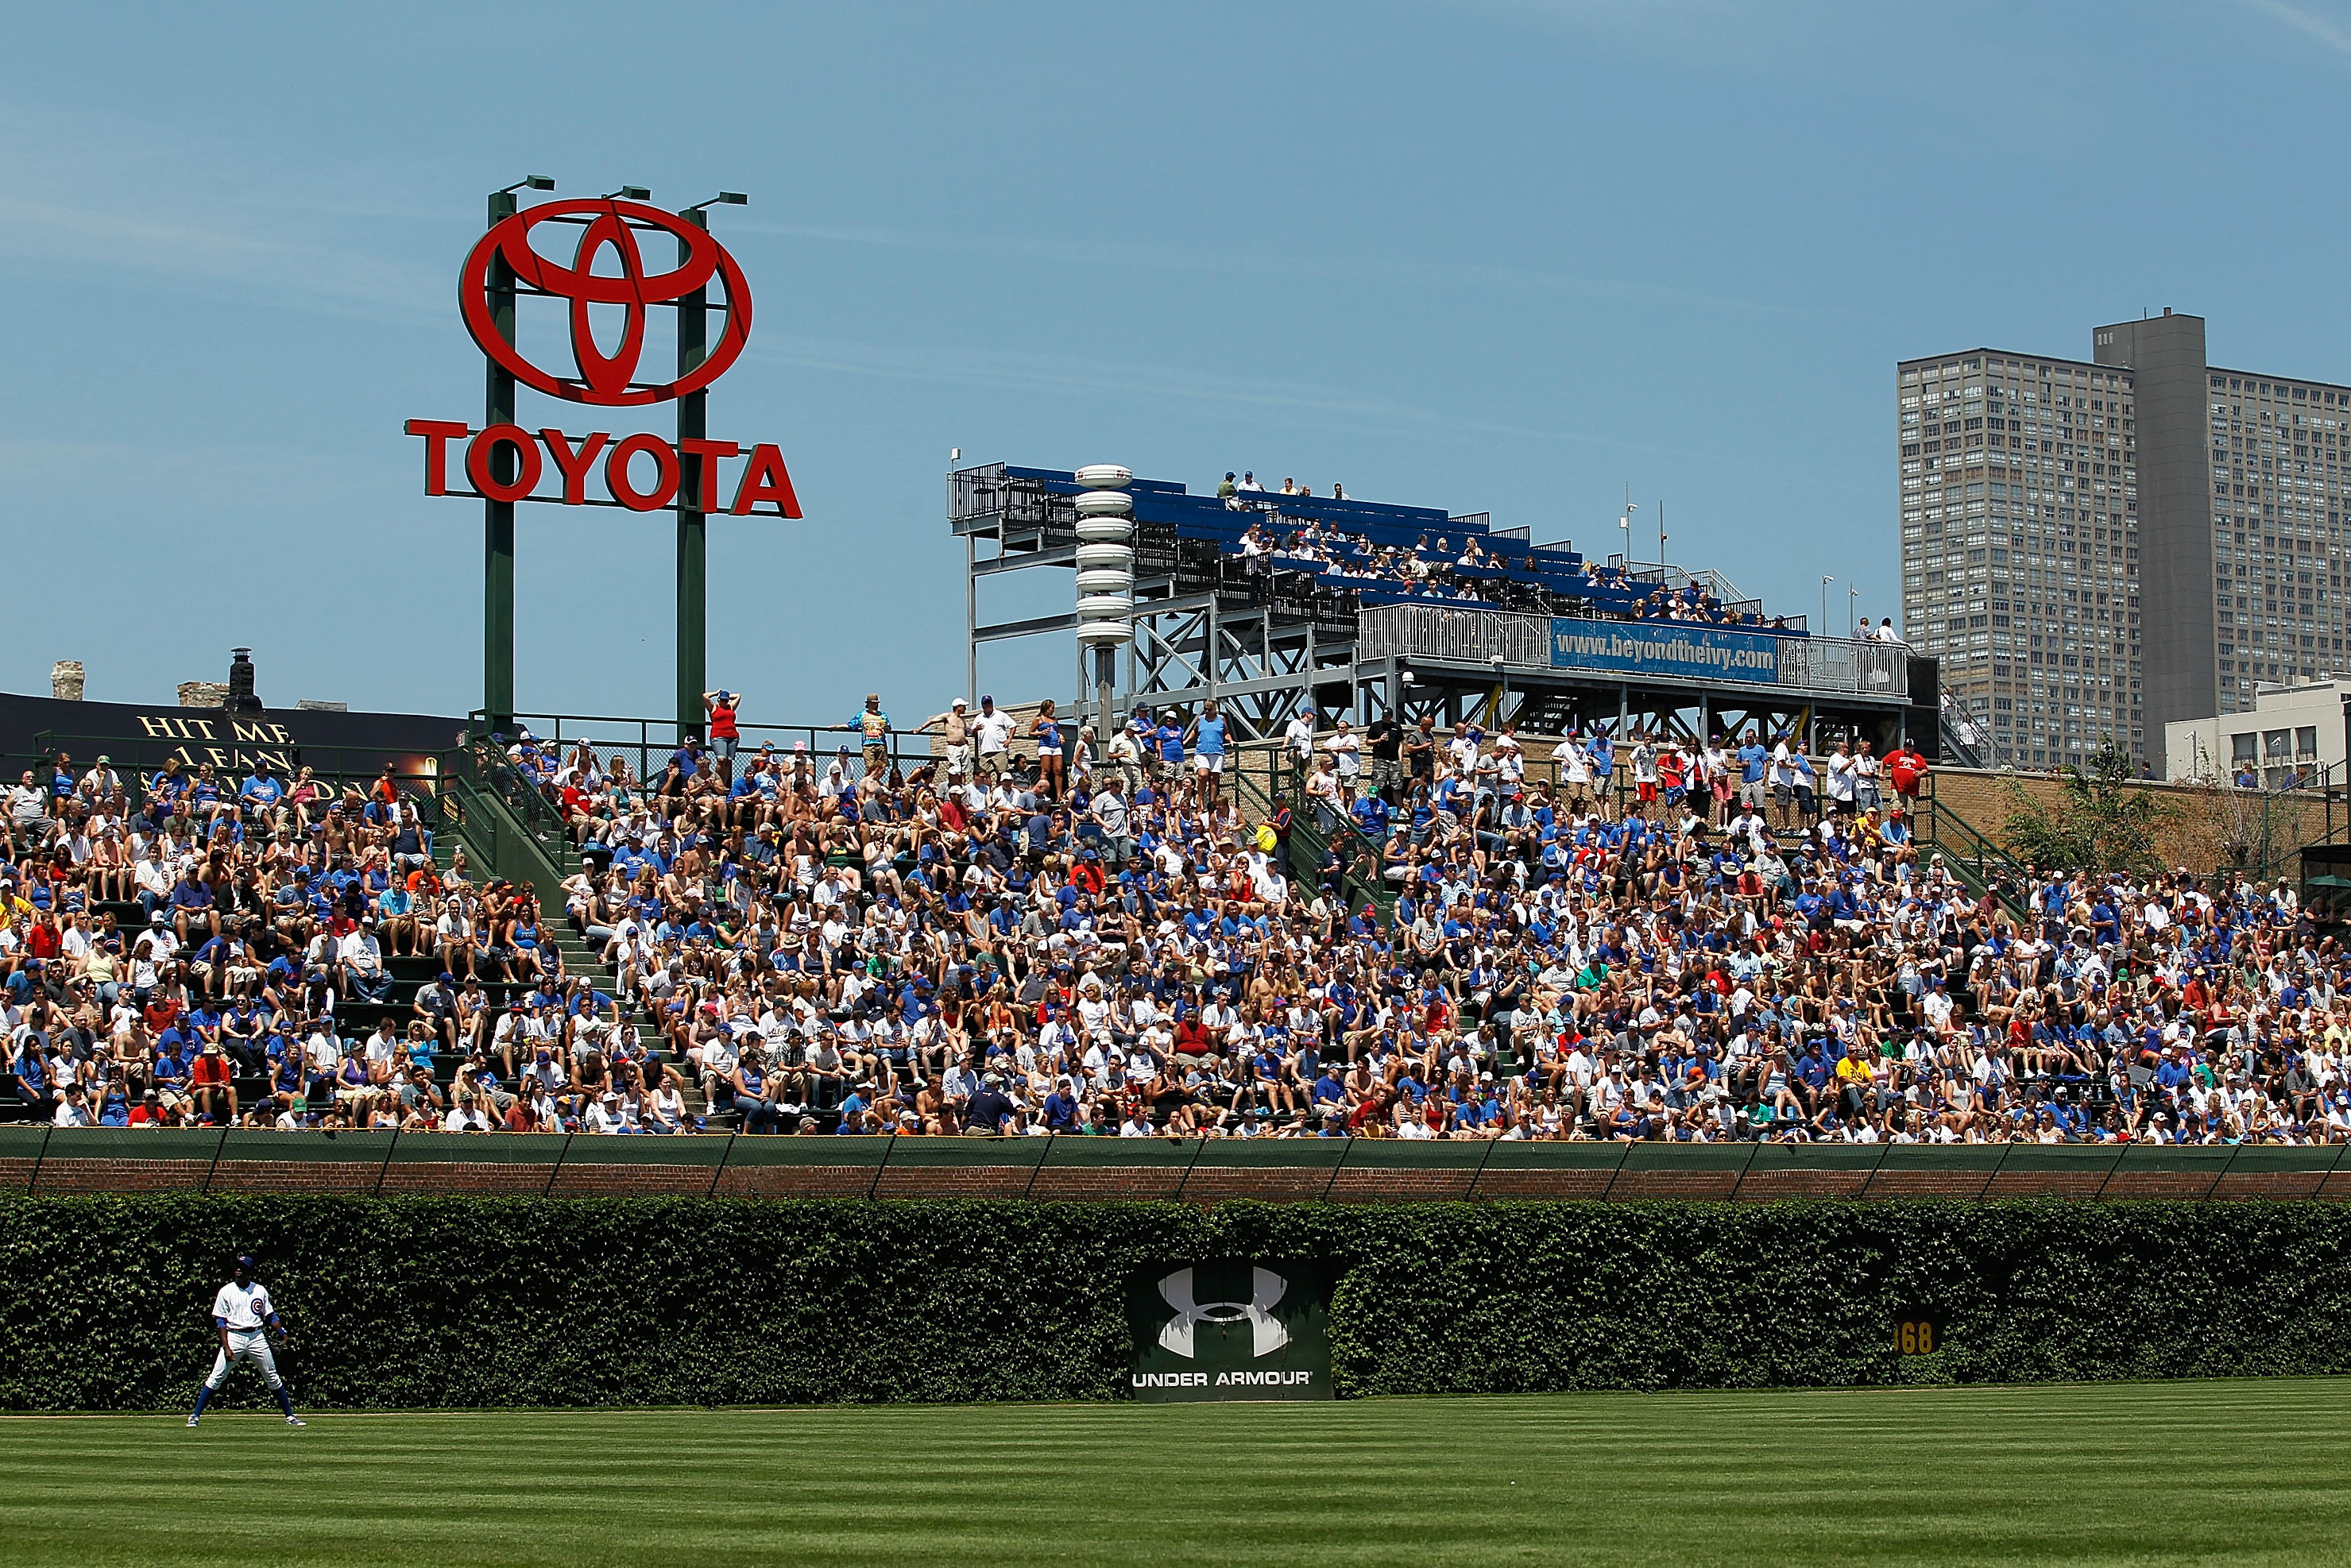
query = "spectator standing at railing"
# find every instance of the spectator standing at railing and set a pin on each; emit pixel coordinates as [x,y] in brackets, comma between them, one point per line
[721,708]
[955,736]
[1420,748]
[1386,738]
[993,730]
[1844,779]
[1345,747]
[872,728]
[1867,771]
[1907,769]
[1126,757]
[1167,749]
[1298,737]
[1051,758]
[1206,737]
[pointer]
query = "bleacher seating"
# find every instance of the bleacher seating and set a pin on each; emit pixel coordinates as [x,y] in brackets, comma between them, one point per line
[1357,549]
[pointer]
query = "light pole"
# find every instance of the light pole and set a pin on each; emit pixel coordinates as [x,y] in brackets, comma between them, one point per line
[497,516]
[692,532]
[1625,523]
[1852,602]
[1825,581]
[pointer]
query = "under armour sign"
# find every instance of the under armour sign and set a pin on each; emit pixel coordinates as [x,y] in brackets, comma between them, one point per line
[1232,1330]
[1266,1331]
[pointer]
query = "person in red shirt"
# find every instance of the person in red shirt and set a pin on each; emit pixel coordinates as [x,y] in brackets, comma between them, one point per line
[44,940]
[1908,769]
[208,1079]
[725,734]
[1193,1040]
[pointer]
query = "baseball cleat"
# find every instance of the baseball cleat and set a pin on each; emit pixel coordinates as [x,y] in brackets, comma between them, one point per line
[192,1420]
[295,1421]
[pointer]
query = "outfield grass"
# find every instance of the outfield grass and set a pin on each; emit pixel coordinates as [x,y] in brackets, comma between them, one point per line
[2248,1472]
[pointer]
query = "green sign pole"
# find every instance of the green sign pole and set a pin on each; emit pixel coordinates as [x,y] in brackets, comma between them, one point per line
[692,605]
[497,516]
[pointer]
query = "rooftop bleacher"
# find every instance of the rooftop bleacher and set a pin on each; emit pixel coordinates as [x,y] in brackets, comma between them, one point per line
[1377,553]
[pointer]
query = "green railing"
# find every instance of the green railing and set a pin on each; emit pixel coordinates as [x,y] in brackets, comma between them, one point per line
[1270,774]
[35,1158]
[1979,864]
[505,819]
[649,742]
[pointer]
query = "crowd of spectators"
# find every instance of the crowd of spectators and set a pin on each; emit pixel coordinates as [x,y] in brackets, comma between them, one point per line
[1752,945]
[1663,940]
[1472,570]
[201,950]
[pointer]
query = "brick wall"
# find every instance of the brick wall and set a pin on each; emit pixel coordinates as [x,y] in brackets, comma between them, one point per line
[2200,820]
[2322,1173]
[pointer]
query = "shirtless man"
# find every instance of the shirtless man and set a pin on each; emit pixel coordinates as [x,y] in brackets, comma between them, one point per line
[955,731]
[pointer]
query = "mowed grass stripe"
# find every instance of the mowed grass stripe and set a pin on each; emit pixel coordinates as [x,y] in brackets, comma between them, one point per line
[2140,1474]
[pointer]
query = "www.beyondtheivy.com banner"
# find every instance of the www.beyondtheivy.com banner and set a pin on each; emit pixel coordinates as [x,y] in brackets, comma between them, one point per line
[1663,648]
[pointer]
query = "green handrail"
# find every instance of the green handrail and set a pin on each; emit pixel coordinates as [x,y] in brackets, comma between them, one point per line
[1971,856]
[1361,861]
[504,817]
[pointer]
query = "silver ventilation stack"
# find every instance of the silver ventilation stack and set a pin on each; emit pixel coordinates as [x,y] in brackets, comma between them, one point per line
[1105,560]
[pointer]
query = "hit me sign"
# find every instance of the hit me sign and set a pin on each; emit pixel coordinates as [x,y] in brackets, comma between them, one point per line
[1232,1331]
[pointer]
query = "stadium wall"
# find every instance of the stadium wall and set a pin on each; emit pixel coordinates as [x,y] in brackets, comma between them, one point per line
[443,1303]
[55,1162]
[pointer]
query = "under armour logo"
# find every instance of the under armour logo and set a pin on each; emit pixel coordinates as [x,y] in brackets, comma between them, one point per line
[1267,1334]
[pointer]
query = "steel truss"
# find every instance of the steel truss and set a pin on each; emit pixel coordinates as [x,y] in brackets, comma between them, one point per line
[1267,646]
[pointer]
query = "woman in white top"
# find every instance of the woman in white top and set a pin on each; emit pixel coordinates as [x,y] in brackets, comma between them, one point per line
[1322,792]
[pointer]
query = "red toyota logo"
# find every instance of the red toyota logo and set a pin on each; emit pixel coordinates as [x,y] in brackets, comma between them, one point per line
[607,378]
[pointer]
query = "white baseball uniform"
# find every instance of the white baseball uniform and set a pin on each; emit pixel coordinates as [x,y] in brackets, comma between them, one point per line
[244,1308]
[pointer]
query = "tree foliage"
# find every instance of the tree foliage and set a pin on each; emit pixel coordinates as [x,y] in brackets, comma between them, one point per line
[2102,820]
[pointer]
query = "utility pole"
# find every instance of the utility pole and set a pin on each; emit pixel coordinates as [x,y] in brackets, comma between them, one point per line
[497,516]
[692,528]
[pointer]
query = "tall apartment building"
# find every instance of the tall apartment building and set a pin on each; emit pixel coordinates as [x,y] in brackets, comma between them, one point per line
[2104,546]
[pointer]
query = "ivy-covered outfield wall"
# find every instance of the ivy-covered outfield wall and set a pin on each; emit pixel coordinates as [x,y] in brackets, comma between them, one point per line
[488,1302]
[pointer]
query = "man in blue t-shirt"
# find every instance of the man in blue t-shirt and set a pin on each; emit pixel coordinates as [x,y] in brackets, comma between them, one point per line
[1207,736]
[261,794]
[1752,761]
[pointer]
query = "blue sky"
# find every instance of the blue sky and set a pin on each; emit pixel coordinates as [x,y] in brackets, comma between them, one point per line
[1505,256]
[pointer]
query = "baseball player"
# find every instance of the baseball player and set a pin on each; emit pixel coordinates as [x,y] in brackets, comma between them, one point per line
[245,1320]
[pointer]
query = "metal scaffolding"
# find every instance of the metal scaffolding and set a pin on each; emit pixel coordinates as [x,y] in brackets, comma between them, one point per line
[1268,645]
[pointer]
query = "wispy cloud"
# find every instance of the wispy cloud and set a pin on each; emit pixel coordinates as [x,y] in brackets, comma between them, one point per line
[1294,403]
[1250,262]
[2333,33]
[116,197]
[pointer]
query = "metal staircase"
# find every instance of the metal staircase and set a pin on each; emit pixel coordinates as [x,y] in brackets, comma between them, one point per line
[1270,776]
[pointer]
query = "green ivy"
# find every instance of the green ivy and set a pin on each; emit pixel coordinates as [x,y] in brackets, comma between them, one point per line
[457,1302]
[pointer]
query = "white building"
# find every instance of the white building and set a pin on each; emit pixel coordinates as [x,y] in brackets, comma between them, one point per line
[2294,735]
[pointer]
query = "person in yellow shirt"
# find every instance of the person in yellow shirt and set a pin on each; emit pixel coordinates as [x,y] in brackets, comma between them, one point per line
[1853,1076]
